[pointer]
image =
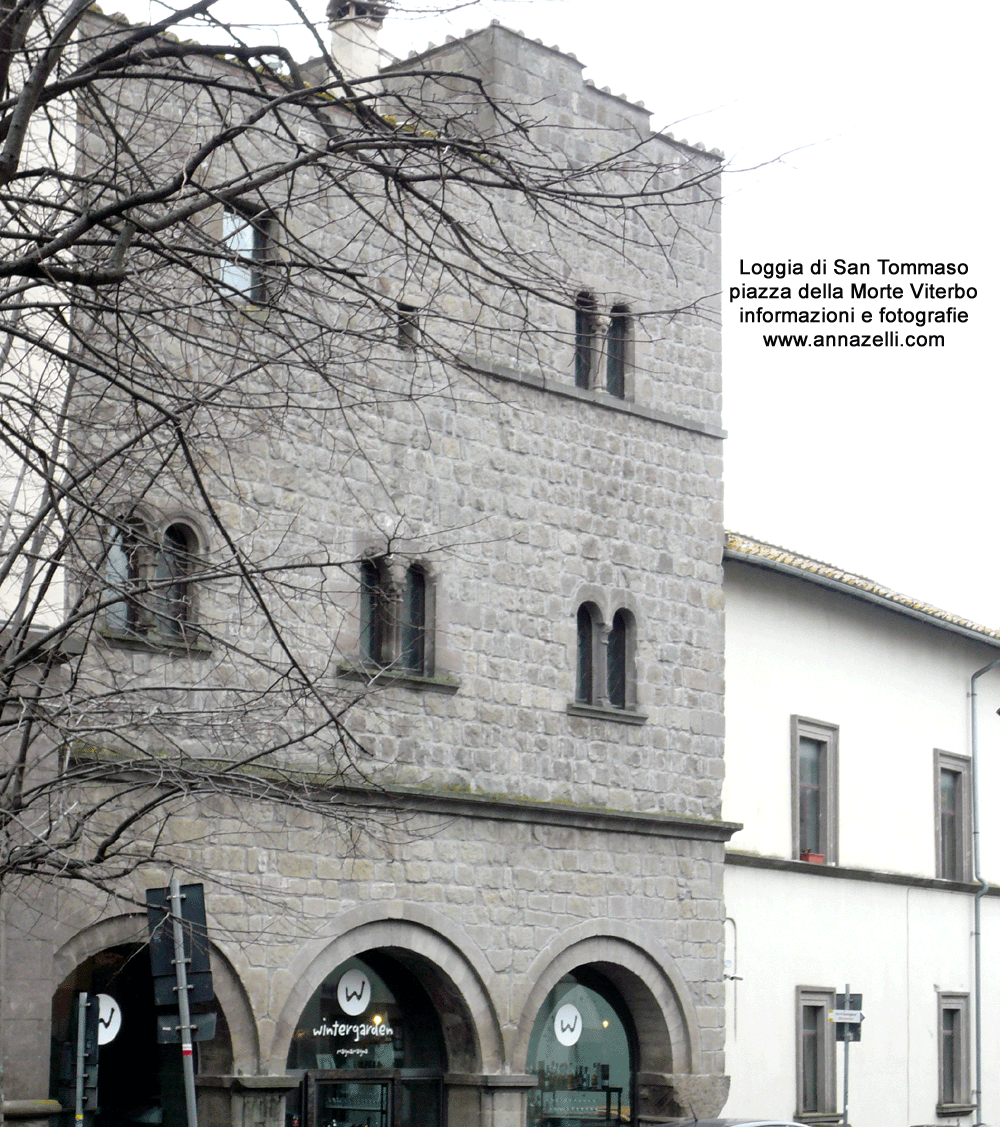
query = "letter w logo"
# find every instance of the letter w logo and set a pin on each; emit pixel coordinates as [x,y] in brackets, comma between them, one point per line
[354,995]
[567,1026]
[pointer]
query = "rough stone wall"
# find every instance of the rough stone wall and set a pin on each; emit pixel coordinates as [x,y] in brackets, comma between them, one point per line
[551,500]
[523,496]
[511,892]
[520,500]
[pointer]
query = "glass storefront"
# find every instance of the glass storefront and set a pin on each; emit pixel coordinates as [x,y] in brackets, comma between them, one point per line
[582,1051]
[370,1046]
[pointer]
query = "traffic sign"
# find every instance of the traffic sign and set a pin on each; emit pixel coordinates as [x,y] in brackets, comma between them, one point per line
[850,1017]
[847,1008]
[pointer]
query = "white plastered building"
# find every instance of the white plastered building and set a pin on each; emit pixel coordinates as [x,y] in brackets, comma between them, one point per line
[850,760]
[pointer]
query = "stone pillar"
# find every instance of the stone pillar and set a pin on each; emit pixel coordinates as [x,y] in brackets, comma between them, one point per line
[686,1094]
[243,1101]
[495,1100]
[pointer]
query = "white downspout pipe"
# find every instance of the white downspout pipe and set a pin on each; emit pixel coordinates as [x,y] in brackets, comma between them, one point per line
[980,892]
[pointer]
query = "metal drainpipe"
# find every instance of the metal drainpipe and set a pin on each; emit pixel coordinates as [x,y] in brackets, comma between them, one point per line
[980,892]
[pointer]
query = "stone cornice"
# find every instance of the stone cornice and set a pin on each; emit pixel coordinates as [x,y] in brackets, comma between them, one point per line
[504,808]
[588,395]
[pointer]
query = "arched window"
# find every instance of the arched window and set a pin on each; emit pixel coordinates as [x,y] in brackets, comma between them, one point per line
[396,615]
[371,1014]
[125,571]
[621,679]
[585,339]
[174,570]
[375,612]
[151,579]
[586,638]
[582,1050]
[618,348]
[413,642]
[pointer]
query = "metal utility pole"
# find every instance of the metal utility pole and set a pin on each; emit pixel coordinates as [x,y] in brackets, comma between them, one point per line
[847,1053]
[848,1018]
[80,1063]
[180,962]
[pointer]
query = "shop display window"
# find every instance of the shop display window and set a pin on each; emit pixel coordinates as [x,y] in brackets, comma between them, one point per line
[581,1050]
[370,1047]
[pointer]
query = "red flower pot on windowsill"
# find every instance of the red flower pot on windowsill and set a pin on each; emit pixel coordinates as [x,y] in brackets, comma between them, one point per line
[813,858]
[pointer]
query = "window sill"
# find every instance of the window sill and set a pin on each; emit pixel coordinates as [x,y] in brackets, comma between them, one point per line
[943,1111]
[153,642]
[402,677]
[606,712]
[819,1118]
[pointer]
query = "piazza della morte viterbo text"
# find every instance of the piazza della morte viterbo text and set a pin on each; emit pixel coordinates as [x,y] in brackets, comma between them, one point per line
[874,304]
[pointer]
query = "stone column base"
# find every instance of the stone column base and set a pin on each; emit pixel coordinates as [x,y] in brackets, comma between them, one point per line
[663,1095]
[31,1113]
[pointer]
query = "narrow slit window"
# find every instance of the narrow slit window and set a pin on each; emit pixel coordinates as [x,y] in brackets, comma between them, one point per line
[619,332]
[413,655]
[373,613]
[585,339]
[174,567]
[124,577]
[584,656]
[618,660]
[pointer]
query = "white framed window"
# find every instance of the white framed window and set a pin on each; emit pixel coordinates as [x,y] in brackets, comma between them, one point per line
[954,1082]
[814,790]
[816,1071]
[953,815]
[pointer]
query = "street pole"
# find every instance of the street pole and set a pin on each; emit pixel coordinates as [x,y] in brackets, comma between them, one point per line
[187,1048]
[81,1054]
[847,1049]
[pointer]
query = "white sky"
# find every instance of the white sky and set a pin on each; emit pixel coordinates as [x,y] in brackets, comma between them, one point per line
[867,129]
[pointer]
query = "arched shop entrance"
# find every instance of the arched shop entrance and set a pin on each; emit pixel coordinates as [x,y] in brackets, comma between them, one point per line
[139,1082]
[582,1049]
[370,1048]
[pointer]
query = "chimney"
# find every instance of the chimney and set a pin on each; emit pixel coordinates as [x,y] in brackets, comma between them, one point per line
[354,28]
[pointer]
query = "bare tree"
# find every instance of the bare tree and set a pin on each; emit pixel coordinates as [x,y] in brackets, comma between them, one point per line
[222,272]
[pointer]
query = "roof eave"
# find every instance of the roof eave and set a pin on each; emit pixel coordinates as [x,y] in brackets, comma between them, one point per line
[863,595]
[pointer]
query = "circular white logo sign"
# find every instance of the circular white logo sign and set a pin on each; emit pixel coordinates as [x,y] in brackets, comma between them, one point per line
[568,1024]
[109,1019]
[354,992]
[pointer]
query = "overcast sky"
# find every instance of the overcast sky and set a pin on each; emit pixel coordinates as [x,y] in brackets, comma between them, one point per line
[857,131]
